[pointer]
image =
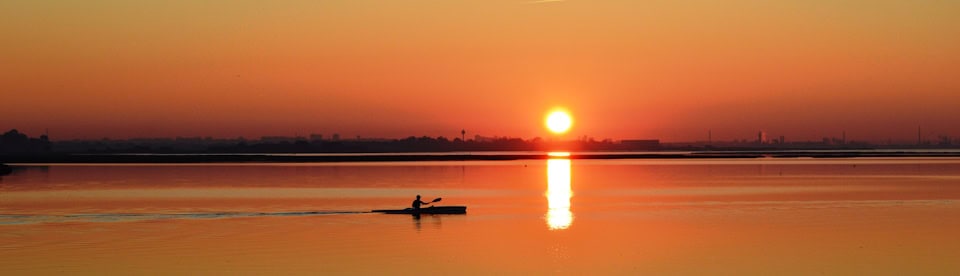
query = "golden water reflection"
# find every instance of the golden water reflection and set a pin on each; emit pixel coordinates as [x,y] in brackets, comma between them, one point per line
[558,192]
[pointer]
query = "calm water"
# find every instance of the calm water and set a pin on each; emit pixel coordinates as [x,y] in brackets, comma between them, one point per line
[758,216]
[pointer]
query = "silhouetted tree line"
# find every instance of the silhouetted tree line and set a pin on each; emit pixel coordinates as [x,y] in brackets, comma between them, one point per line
[409,144]
[15,142]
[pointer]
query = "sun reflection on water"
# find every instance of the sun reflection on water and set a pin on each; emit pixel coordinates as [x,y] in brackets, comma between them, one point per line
[558,192]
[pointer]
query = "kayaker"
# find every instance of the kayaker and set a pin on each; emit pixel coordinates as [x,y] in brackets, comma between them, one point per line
[417,203]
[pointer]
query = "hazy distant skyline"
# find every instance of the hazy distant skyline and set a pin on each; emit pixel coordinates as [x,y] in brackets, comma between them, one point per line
[625,69]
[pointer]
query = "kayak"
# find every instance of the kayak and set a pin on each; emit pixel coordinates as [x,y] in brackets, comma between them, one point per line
[427,210]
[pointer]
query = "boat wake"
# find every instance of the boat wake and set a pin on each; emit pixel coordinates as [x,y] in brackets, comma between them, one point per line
[8,219]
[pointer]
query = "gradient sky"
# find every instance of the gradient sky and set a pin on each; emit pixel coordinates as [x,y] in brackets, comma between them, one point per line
[625,69]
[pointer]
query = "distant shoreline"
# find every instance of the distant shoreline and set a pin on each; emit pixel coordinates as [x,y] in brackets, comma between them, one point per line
[412,157]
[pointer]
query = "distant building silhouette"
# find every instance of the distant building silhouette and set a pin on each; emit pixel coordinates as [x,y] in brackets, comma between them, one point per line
[277,139]
[649,144]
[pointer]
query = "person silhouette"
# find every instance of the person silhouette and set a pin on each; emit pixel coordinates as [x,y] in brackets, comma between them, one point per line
[417,203]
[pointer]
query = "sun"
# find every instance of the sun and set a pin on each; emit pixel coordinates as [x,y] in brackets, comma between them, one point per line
[559,121]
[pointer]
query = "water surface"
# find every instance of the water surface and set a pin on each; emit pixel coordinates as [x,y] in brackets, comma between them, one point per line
[749,216]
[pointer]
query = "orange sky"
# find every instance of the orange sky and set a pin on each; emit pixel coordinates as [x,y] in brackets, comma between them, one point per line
[626,69]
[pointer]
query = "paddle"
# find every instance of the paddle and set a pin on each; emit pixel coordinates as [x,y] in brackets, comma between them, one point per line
[436,199]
